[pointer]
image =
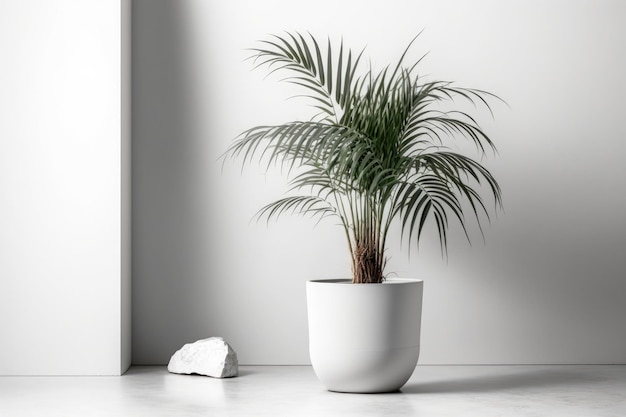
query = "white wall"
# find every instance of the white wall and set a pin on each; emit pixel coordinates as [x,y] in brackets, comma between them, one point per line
[64,258]
[548,287]
[126,183]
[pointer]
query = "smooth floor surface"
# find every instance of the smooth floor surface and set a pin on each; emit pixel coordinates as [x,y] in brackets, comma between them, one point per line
[590,391]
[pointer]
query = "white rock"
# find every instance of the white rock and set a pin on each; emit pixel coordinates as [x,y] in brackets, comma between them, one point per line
[212,357]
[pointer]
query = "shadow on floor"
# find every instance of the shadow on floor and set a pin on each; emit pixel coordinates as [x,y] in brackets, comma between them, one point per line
[512,380]
[150,370]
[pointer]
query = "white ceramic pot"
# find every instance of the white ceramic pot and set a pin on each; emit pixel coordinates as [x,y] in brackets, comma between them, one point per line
[364,337]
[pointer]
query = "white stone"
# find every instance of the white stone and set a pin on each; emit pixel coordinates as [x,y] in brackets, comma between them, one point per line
[211,357]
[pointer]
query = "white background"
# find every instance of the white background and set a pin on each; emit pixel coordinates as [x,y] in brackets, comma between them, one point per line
[547,287]
[64,269]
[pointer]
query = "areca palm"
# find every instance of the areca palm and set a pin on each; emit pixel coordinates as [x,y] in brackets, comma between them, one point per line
[374,151]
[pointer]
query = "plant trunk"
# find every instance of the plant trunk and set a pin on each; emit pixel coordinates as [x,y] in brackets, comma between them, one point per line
[366,265]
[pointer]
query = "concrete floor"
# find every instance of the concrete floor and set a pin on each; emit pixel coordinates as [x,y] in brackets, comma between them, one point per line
[433,391]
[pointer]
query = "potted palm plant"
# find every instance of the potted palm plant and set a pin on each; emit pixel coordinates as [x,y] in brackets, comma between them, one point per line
[372,153]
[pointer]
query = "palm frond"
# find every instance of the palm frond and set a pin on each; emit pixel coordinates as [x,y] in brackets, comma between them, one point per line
[323,82]
[302,205]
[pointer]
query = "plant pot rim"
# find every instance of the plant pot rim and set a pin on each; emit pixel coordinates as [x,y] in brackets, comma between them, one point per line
[388,281]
